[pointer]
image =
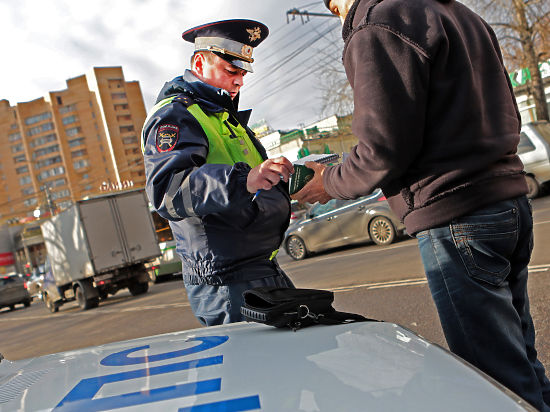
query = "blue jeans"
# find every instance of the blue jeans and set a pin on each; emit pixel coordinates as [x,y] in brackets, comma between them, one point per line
[219,304]
[477,272]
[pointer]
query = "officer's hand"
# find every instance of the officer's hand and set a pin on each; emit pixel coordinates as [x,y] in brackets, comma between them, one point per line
[268,174]
[314,190]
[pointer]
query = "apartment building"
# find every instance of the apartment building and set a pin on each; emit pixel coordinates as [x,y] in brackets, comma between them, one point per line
[72,143]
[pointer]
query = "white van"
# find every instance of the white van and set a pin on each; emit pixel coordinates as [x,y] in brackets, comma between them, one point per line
[534,151]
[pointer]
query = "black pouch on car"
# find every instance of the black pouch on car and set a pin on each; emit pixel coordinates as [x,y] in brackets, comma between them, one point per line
[295,308]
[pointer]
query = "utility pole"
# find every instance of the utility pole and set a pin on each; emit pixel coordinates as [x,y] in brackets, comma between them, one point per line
[49,201]
[304,13]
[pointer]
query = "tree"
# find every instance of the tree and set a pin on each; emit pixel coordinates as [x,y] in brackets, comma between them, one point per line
[523,30]
[336,93]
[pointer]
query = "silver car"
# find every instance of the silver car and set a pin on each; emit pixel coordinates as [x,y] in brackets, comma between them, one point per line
[13,291]
[343,222]
[534,152]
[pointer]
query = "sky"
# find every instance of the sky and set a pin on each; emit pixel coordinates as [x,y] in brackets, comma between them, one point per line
[45,42]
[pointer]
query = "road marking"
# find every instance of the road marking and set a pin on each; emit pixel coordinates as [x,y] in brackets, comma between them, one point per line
[297,264]
[415,281]
[374,285]
[99,310]
[382,285]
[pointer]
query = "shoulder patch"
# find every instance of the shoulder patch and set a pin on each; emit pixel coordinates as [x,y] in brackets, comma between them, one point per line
[167,137]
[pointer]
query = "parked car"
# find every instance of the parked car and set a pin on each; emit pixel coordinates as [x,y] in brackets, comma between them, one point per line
[297,211]
[168,265]
[13,291]
[343,222]
[34,285]
[534,152]
[364,366]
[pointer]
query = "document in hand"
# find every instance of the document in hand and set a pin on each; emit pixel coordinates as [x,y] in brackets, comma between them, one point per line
[303,174]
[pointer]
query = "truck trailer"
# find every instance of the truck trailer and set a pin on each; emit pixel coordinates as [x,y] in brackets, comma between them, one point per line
[97,247]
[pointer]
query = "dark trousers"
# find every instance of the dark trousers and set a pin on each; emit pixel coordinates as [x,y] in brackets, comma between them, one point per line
[477,272]
[219,304]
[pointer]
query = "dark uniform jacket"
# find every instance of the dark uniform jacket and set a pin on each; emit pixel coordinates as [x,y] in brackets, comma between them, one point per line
[217,226]
[435,114]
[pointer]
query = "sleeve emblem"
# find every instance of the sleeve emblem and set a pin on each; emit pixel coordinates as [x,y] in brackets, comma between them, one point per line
[167,137]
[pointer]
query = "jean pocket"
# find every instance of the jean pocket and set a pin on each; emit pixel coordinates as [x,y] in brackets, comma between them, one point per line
[486,244]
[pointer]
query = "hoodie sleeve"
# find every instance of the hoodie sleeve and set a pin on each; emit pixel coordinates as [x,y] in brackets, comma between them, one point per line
[389,78]
[180,183]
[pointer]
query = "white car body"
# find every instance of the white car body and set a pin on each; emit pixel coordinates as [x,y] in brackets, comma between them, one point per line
[366,366]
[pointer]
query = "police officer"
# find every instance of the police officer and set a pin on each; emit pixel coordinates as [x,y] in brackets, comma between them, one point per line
[227,204]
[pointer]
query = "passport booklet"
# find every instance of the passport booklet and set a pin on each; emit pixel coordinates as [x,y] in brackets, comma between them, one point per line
[303,174]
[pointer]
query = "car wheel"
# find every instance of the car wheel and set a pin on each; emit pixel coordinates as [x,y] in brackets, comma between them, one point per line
[296,248]
[12,307]
[82,293]
[533,186]
[138,288]
[51,305]
[381,230]
[27,303]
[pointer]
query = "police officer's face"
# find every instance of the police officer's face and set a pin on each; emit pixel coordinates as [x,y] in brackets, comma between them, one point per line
[218,73]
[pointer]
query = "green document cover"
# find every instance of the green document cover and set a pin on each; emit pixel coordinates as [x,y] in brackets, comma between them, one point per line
[303,174]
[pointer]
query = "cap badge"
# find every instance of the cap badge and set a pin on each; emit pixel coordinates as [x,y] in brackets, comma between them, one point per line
[246,50]
[255,33]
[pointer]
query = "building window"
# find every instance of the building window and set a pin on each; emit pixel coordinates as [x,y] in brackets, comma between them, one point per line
[123,117]
[116,96]
[73,131]
[69,119]
[121,107]
[60,194]
[67,109]
[78,153]
[17,148]
[41,152]
[14,137]
[25,180]
[88,187]
[39,129]
[130,140]
[39,141]
[54,183]
[34,130]
[21,170]
[38,118]
[50,172]
[79,164]
[76,142]
[19,159]
[27,191]
[48,162]
[133,150]
[85,176]
[30,202]
[64,205]
[59,100]
[126,129]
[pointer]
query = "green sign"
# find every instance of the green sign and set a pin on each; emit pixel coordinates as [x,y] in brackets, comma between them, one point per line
[522,76]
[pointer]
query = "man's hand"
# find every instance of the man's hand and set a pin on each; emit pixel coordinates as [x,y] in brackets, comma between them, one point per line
[268,174]
[314,190]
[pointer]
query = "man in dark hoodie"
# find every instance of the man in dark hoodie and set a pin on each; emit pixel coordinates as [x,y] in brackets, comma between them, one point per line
[438,127]
[227,204]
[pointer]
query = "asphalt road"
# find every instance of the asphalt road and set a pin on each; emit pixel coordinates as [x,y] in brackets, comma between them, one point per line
[385,283]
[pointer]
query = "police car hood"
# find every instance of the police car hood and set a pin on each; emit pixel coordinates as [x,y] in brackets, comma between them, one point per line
[369,366]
